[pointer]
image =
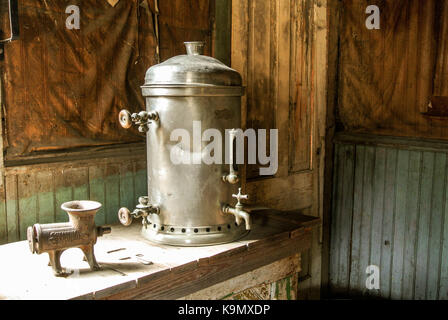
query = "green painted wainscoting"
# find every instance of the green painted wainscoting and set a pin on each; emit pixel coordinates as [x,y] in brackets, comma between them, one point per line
[390,209]
[34,194]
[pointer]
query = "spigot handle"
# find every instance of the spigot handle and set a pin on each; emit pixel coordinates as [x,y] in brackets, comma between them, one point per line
[239,196]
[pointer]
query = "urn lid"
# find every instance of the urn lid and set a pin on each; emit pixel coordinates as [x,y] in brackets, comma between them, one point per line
[192,69]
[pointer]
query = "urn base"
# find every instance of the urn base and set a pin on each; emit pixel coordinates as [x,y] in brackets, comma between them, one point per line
[194,236]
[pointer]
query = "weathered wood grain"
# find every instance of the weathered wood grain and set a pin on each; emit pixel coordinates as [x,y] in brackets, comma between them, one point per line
[443,289]
[173,286]
[366,214]
[436,224]
[398,221]
[337,182]
[12,210]
[174,273]
[280,49]
[263,283]
[345,219]
[97,191]
[441,69]
[45,196]
[399,238]
[34,194]
[355,269]
[27,203]
[378,190]
[388,76]
[112,183]
[423,224]
[388,215]
[3,213]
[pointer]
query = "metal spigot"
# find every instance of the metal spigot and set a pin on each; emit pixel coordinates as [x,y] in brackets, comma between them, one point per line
[238,211]
[143,119]
[143,210]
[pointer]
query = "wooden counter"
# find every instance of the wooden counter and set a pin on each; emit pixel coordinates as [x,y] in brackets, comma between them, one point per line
[134,268]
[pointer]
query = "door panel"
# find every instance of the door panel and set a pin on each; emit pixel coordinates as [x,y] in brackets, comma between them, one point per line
[279,47]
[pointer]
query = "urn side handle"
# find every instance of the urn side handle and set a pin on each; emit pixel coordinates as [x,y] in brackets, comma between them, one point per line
[142,210]
[142,119]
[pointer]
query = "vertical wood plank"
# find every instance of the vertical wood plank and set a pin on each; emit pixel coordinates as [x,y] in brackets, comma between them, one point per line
[97,191]
[140,181]
[80,180]
[301,85]
[345,217]
[112,204]
[421,267]
[399,224]
[282,83]
[412,200]
[127,193]
[443,284]
[355,254]
[28,214]
[441,71]
[45,196]
[435,227]
[366,220]
[377,211]
[63,193]
[3,214]
[223,22]
[388,222]
[337,194]
[12,207]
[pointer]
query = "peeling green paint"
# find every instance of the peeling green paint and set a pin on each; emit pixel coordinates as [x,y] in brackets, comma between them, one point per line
[226,296]
[30,205]
[288,288]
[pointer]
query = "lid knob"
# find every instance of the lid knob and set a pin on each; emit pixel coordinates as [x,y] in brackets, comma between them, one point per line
[194,47]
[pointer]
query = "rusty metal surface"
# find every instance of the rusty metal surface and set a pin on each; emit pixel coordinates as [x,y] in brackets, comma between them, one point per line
[79,232]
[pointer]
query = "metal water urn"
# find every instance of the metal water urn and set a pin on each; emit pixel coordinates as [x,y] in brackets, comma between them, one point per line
[189,199]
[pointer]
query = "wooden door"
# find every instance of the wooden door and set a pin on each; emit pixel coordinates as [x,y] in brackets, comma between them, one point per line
[279,47]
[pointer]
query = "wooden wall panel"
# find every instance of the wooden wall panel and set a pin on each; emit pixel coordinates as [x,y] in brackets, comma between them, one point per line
[3,217]
[301,86]
[278,40]
[388,76]
[389,210]
[441,67]
[339,242]
[45,196]
[184,20]
[12,208]
[280,49]
[97,191]
[34,194]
